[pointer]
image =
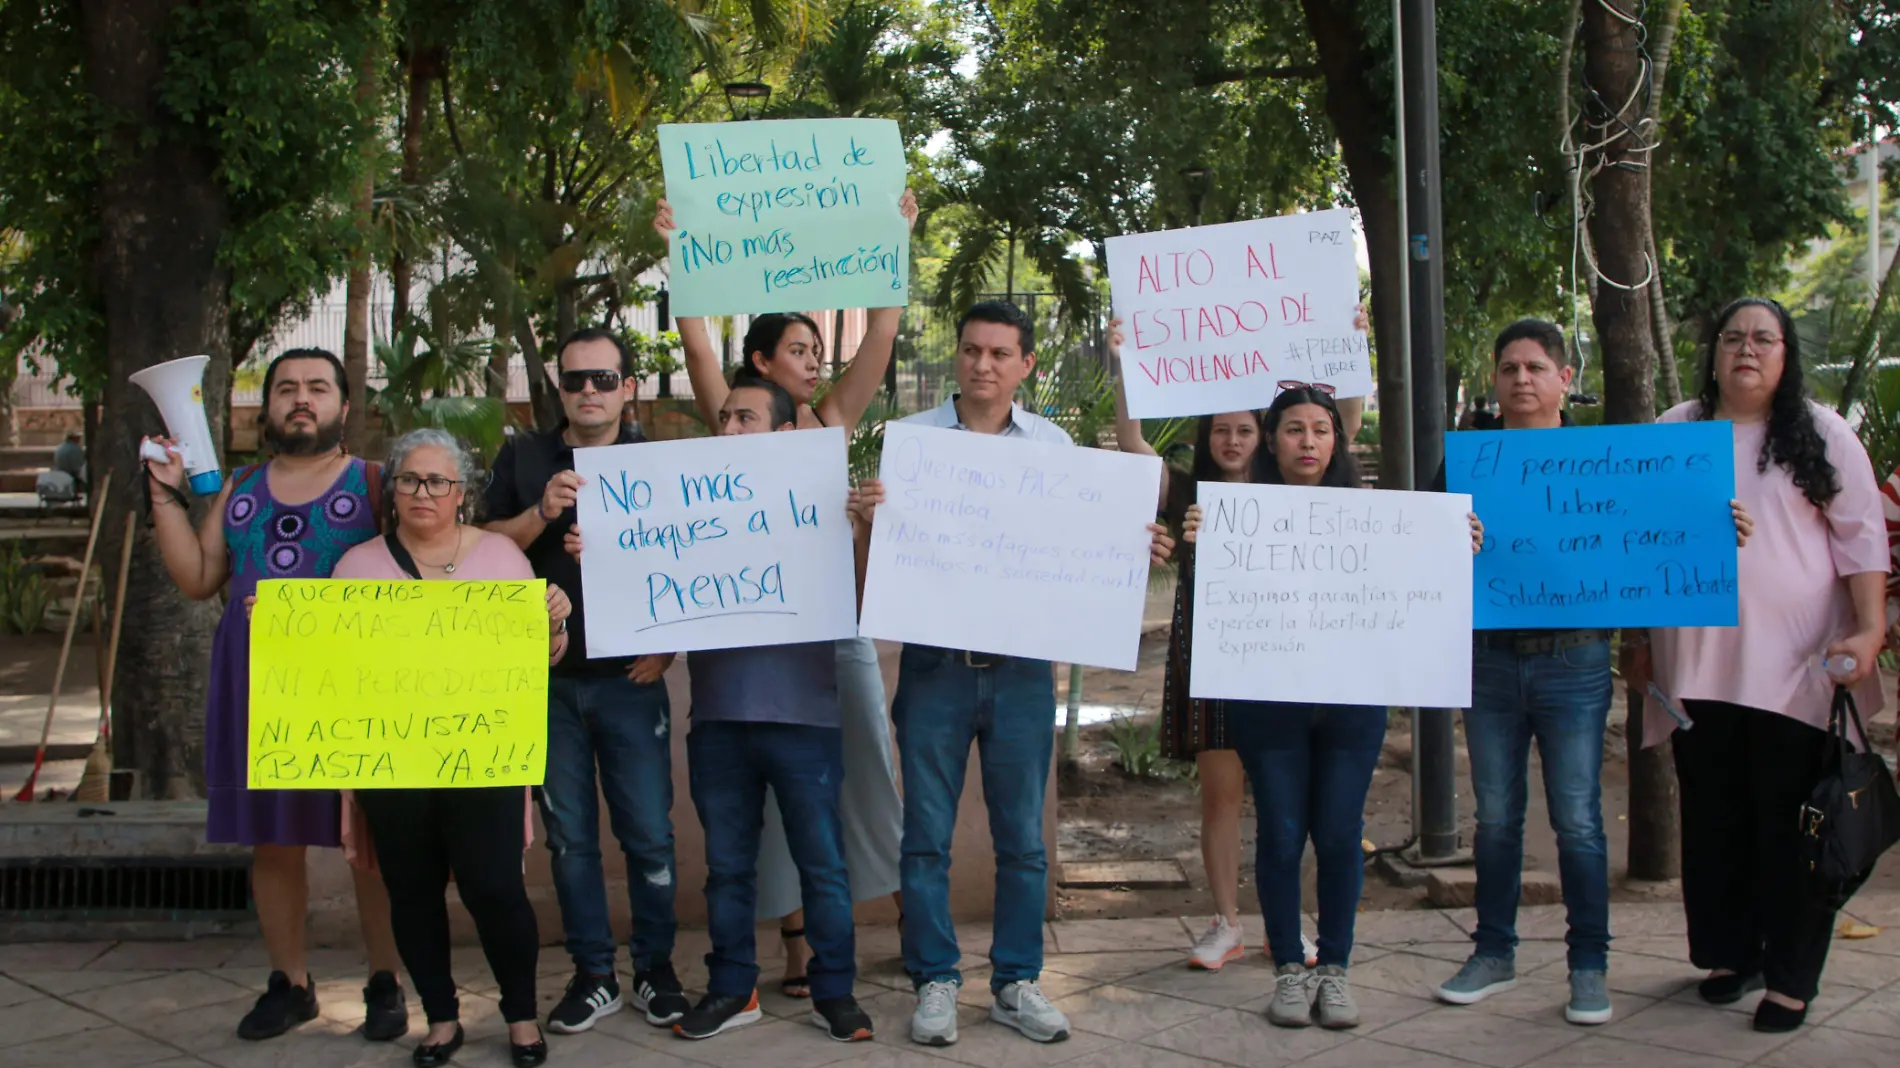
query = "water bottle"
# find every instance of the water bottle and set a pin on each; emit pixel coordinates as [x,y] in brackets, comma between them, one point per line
[1839,668]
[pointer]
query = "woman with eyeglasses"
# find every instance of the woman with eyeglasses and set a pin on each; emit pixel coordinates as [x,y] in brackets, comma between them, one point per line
[1811,586]
[786,348]
[475,835]
[1311,765]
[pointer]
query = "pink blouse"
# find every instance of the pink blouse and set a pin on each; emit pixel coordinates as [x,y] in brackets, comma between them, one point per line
[494,556]
[1793,600]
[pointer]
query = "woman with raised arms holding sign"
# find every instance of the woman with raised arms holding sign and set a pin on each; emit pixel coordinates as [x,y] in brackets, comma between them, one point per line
[786,348]
[476,834]
[1310,764]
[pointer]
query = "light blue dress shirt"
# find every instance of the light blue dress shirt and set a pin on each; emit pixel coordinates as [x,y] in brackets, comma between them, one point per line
[1022,423]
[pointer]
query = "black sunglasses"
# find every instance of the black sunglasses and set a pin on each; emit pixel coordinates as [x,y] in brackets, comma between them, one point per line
[576,381]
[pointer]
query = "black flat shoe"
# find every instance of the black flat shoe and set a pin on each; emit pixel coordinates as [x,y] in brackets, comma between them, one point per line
[1772,1018]
[1728,989]
[427,1056]
[532,1055]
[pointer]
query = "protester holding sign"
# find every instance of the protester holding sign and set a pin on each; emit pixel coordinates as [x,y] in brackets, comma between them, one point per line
[786,348]
[612,712]
[1196,730]
[766,718]
[1756,697]
[1310,764]
[476,834]
[1552,686]
[292,517]
[946,700]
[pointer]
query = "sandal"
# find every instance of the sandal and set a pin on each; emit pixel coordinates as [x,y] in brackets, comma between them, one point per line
[795,986]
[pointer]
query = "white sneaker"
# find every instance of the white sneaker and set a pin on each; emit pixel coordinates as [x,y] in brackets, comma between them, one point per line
[935,1021]
[1022,1006]
[1292,1004]
[1309,949]
[1219,944]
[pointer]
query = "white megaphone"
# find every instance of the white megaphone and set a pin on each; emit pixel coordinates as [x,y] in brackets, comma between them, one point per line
[177,387]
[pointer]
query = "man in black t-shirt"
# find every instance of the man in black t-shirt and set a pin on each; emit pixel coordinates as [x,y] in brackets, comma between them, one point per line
[613,713]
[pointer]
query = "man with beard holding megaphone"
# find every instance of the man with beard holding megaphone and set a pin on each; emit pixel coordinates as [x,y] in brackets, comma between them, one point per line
[291,517]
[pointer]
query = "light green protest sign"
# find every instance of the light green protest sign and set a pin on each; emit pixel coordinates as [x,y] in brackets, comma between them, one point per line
[786,215]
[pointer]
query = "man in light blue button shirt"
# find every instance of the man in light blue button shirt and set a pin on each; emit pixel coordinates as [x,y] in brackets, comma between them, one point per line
[949,698]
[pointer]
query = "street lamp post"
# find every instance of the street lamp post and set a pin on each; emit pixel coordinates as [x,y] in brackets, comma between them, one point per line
[1199,181]
[746,100]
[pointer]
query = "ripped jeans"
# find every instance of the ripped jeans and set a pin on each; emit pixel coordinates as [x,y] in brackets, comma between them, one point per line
[730,764]
[625,729]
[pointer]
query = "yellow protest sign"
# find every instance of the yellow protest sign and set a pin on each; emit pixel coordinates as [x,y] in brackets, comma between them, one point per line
[360,685]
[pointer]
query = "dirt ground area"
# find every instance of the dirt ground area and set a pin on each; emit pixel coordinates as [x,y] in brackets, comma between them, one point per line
[1108,815]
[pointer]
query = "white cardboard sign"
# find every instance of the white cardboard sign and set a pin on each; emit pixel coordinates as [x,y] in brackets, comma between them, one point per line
[1018,548]
[1214,317]
[1340,596]
[716,543]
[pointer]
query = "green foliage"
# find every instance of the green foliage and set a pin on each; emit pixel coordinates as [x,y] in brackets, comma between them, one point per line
[1136,744]
[1880,421]
[436,379]
[25,599]
[265,87]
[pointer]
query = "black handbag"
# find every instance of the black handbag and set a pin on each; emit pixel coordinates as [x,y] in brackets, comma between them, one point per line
[1853,815]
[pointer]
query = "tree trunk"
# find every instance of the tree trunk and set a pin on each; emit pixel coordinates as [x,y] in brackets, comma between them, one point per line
[163,294]
[422,65]
[1363,124]
[1662,43]
[357,288]
[9,372]
[1620,231]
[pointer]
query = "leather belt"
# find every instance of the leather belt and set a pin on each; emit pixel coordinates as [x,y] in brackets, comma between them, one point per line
[1536,643]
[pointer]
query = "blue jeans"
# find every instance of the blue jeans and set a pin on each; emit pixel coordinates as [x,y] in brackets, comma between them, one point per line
[1562,700]
[1310,766]
[942,705]
[625,728]
[730,765]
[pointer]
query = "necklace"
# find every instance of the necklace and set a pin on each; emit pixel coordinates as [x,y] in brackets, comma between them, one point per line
[448,568]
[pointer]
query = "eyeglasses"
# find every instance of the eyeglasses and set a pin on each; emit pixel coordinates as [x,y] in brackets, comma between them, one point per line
[1288,385]
[413,485]
[1732,340]
[576,381]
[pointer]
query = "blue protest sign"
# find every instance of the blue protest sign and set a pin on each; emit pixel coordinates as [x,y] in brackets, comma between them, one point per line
[786,215]
[1614,526]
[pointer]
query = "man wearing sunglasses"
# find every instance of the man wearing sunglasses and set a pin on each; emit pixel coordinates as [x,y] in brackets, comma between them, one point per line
[612,713]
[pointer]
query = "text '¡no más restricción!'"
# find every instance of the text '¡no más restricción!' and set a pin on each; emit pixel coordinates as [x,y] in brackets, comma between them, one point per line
[359,684]
[786,215]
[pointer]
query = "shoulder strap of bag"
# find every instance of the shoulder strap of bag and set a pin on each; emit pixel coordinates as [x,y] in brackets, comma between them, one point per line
[1846,709]
[403,559]
[373,475]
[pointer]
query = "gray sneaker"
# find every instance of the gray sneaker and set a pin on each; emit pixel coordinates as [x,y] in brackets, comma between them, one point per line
[1022,1006]
[1480,978]
[1292,1004]
[1589,998]
[935,1021]
[1333,1002]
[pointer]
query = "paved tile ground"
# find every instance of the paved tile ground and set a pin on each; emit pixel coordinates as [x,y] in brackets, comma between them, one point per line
[1131,1000]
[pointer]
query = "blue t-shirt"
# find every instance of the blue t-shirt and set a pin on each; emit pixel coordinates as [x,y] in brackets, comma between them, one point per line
[766,684]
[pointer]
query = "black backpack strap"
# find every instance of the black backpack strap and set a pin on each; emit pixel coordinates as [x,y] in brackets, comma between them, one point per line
[403,559]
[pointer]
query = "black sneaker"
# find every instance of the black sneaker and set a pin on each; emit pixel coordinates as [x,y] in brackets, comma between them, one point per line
[657,993]
[280,1008]
[715,1014]
[842,1019]
[385,1010]
[588,998]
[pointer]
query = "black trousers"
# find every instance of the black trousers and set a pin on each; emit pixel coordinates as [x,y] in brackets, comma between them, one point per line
[1745,773]
[424,835]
